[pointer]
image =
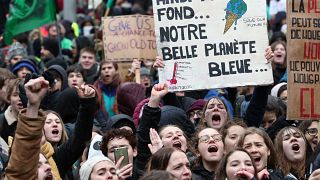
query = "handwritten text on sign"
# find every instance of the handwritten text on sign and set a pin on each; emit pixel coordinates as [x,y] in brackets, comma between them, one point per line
[303,59]
[212,43]
[127,37]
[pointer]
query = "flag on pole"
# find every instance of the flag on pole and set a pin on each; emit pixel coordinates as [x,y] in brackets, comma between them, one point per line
[25,15]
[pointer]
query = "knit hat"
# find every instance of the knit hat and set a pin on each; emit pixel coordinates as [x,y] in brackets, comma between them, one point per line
[16,49]
[86,168]
[25,63]
[278,89]
[94,149]
[52,45]
[128,96]
[120,120]
[196,105]
[171,115]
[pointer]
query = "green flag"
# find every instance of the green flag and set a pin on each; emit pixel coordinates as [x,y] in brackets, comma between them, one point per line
[25,15]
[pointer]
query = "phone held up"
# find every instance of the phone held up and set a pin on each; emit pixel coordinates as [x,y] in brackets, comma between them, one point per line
[119,152]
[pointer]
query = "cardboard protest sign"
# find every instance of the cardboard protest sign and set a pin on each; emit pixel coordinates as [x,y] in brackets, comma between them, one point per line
[127,37]
[212,43]
[303,55]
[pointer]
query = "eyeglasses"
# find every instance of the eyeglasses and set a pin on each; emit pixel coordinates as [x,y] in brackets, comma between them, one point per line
[206,138]
[197,112]
[312,131]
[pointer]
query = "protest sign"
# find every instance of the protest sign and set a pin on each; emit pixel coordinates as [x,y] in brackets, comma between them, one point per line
[128,37]
[303,55]
[212,43]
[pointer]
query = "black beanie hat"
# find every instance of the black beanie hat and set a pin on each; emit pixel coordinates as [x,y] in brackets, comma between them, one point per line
[52,45]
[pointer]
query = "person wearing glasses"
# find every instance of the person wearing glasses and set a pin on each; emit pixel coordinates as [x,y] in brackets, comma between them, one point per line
[210,149]
[310,130]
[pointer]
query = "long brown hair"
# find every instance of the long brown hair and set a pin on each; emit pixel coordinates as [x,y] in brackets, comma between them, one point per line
[273,47]
[272,161]
[64,136]
[160,159]
[283,163]
[222,167]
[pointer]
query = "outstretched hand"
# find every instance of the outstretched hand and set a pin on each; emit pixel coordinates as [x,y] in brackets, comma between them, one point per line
[85,91]
[156,142]
[36,89]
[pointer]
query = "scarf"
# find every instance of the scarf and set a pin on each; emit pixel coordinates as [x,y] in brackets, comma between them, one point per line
[47,150]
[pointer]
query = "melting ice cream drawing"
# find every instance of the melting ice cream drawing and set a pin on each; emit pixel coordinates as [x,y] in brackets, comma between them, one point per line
[234,11]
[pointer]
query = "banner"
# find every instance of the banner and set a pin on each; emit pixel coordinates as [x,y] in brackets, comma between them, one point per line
[303,55]
[26,15]
[212,43]
[128,37]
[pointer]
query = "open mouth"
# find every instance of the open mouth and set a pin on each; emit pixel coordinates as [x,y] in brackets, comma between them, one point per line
[49,177]
[295,147]
[216,118]
[315,141]
[146,84]
[20,105]
[257,159]
[177,144]
[55,131]
[212,148]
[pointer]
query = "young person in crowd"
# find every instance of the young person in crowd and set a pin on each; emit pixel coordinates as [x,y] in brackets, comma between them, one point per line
[210,150]
[290,145]
[98,168]
[260,147]
[231,133]
[116,138]
[25,161]
[89,64]
[237,164]
[279,64]
[9,118]
[76,76]
[5,76]
[172,160]
[107,84]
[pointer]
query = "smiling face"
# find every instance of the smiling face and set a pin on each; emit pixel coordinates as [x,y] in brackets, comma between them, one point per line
[179,166]
[279,54]
[258,150]
[293,146]
[216,114]
[311,134]
[236,162]
[232,138]
[172,136]
[87,60]
[210,145]
[53,128]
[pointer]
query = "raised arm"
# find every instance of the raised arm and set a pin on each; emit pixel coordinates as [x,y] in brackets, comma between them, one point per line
[70,151]
[150,119]
[23,162]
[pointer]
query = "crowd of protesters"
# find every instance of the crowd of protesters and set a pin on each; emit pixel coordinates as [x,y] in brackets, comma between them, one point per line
[65,112]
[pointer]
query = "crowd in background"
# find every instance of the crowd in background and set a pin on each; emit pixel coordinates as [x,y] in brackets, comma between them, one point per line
[65,111]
